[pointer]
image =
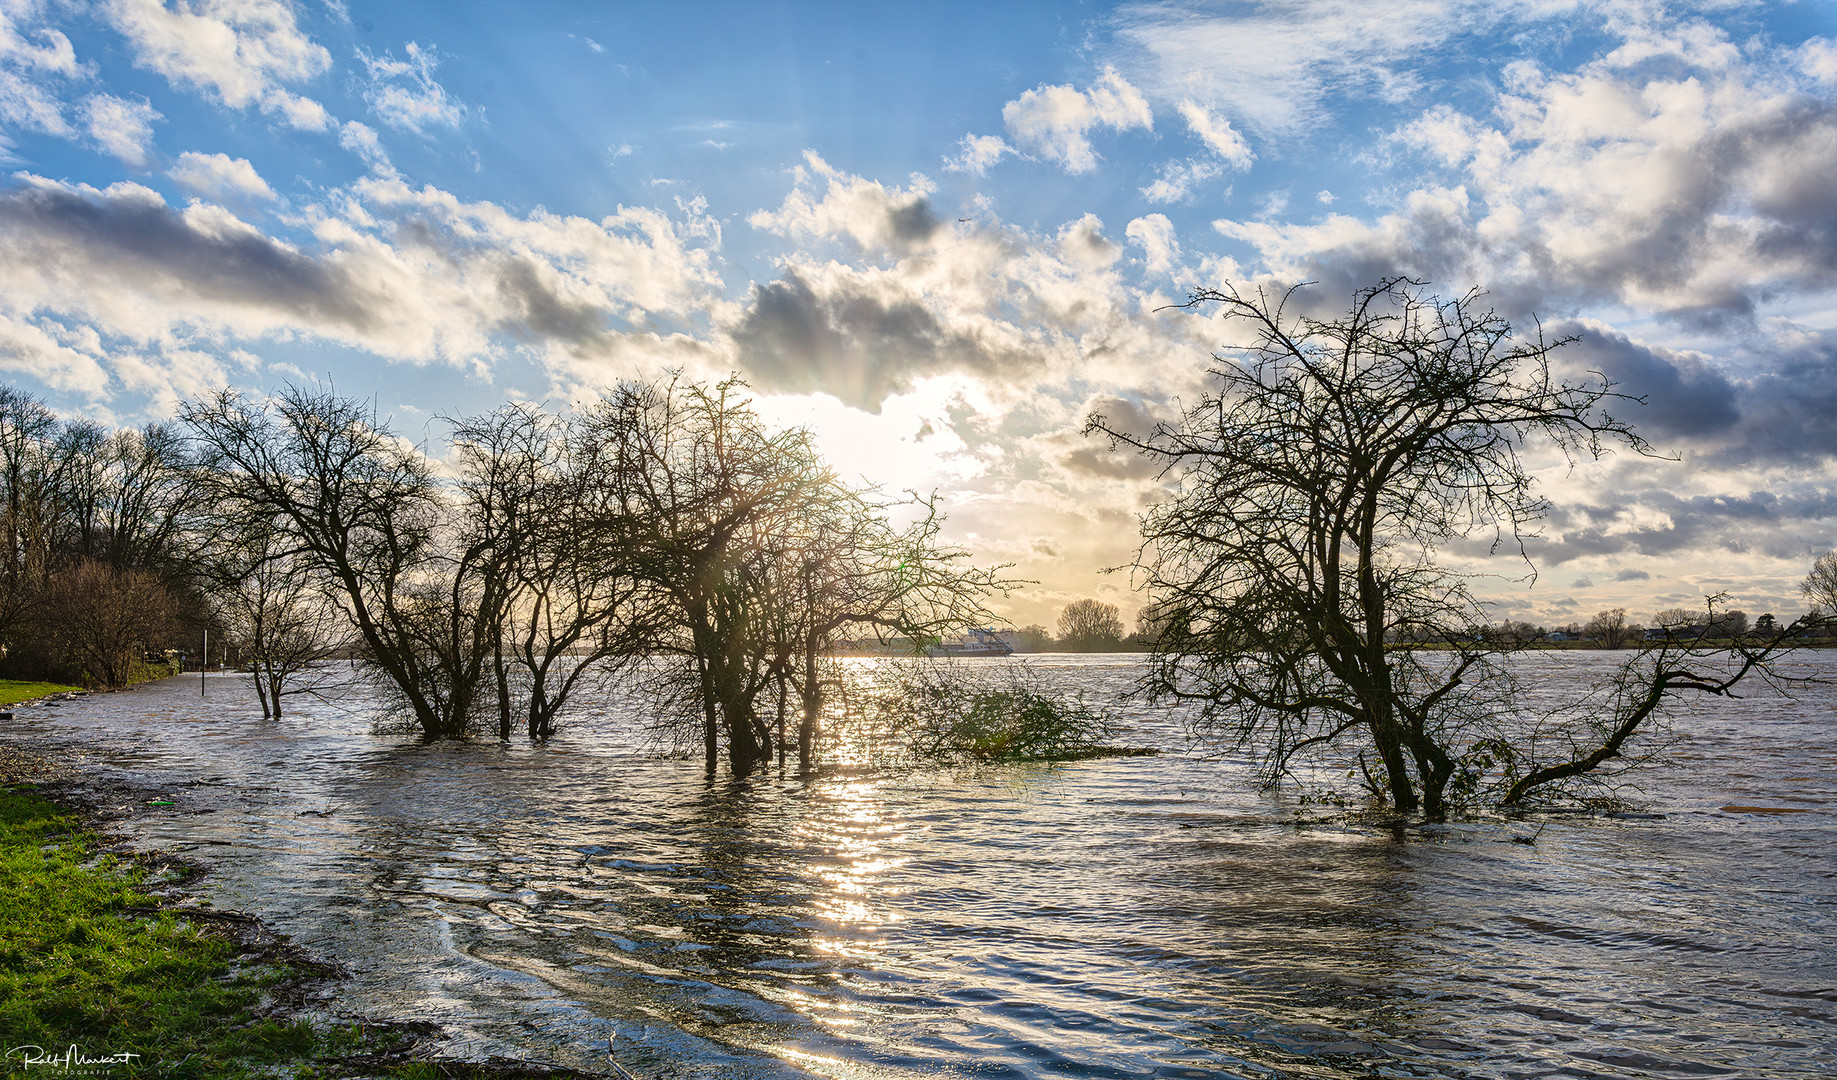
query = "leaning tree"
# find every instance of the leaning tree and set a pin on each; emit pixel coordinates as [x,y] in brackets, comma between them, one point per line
[1299,569]
[1316,486]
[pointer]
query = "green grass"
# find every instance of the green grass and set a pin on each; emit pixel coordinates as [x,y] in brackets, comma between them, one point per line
[13,691]
[79,968]
[85,964]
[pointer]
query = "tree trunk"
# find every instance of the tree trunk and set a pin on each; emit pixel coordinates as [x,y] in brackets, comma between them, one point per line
[711,732]
[1385,738]
[812,695]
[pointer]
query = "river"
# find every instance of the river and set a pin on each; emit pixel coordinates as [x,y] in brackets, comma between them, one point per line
[1125,917]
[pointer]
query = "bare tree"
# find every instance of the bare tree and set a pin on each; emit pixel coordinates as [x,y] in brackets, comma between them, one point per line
[1677,621]
[1149,623]
[1316,484]
[107,617]
[1610,628]
[1597,733]
[845,567]
[1820,585]
[751,557]
[692,476]
[1032,638]
[30,480]
[124,496]
[422,591]
[571,615]
[1090,626]
[272,605]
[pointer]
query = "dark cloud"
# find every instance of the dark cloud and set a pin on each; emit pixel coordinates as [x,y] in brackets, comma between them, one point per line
[538,312]
[1775,525]
[1773,167]
[1092,455]
[131,235]
[1789,410]
[855,345]
[1135,419]
[1582,583]
[912,223]
[1435,245]
[1682,396]
[1631,574]
[1108,464]
[1754,193]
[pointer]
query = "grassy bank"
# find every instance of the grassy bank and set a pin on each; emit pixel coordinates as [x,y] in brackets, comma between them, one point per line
[13,691]
[99,977]
[88,961]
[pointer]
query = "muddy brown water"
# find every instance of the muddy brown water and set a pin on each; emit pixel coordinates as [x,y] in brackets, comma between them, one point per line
[1128,917]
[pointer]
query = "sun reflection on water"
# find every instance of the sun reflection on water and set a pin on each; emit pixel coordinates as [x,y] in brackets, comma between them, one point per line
[857,844]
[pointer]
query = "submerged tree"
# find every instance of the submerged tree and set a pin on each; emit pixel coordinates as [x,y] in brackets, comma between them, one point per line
[1568,745]
[272,604]
[570,615]
[1316,486]
[693,481]
[750,556]
[363,511]
[852,569]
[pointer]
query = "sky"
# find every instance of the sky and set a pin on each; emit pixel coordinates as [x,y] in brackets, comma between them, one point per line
[941,235]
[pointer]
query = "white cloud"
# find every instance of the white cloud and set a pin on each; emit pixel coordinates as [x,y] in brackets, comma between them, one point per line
[219,177]
[1053,121]
[901,301]
[1276,64]
[872,215]
[299,113]
[1218,135]
[121,127]
[29,348]
[360,139]
[1818,58]
[31,62]
[978,153]
[403,93]
[1178,179]
[241,53]
[404,273]
[1701,192]
[1154,234]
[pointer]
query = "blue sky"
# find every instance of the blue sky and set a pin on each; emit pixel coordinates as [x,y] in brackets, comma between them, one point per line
[939,234]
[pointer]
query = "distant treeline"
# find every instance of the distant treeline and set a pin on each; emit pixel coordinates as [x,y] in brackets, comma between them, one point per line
[1086,626]
[97,572]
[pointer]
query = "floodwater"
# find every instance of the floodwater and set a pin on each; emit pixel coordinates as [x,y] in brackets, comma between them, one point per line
[1129,917]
